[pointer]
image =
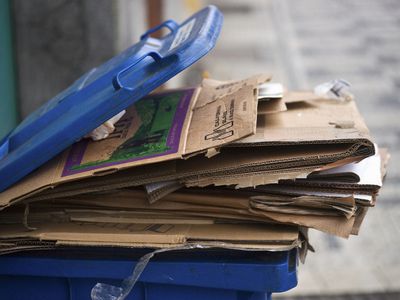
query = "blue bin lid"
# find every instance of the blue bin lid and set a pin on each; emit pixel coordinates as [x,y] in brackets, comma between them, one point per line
[105,91]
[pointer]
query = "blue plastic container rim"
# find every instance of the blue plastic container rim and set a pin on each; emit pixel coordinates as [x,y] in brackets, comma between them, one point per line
[237,270]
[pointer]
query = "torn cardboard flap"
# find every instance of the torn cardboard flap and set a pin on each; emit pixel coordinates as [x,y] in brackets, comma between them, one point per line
[224,120]
[272,106]
[214,89]
[157,190]
[224,112]
[246,179]
[362,197]
[300,96]
[306,205]
[338,226]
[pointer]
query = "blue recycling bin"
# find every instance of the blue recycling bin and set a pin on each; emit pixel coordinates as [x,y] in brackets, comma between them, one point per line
[195,275]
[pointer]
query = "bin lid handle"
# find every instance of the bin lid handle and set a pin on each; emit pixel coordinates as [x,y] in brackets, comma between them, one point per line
[117,78]
[170,24]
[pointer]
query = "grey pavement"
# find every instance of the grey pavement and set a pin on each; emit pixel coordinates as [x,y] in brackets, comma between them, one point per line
[307,42]
[351,296]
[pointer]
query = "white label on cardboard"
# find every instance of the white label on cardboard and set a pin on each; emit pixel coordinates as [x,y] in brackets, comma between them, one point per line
[183,34]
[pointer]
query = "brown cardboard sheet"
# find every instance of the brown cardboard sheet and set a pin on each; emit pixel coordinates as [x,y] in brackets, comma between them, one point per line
[225,207]
[232,166]
[243,236]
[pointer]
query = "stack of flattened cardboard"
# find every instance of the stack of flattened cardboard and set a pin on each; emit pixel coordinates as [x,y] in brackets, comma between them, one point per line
[221,165]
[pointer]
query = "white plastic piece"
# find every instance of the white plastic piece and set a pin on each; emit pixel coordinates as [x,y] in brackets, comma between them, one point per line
[335,89]
[105,129]
[270,90]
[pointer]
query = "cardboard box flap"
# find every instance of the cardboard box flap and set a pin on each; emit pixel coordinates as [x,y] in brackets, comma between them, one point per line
[271,106]
[214,89]
[223,113]
[312,122]
[299,96]
[40,180]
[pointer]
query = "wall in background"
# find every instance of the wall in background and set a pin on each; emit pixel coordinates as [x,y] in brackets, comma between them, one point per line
[56,42]
[8,107]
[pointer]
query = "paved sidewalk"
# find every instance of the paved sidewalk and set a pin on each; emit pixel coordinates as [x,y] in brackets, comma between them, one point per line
[369,296]
[306,42]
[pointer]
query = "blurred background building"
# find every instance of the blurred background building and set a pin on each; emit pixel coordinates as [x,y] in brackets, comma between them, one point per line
[47,44]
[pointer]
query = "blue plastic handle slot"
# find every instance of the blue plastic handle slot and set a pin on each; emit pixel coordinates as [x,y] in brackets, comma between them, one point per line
[117,78]
[170,24]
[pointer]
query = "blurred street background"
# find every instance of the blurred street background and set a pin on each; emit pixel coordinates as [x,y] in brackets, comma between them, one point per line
[302,43]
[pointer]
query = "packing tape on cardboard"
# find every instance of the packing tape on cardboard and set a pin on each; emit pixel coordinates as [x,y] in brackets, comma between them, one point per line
[103,291]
